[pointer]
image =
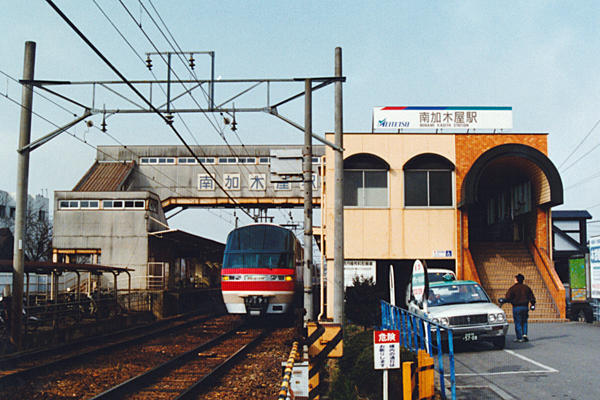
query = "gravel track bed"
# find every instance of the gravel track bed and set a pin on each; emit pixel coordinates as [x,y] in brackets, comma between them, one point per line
[102,372]
[184,376]
[258,374]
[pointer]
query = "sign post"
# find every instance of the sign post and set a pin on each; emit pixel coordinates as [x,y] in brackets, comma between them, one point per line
[420,290]
[386,353]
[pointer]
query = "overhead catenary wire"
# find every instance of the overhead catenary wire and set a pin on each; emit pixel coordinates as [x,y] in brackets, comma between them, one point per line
[178,53]
[85,142]
[143,98]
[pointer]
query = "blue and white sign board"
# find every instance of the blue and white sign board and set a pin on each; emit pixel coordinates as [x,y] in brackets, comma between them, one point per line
[386,348]
[418,280]
[442,117]
[595,267]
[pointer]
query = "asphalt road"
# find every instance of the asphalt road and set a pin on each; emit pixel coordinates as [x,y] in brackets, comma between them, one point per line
[561,361]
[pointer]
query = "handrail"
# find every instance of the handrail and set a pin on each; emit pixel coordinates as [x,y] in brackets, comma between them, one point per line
[416,333]
[469,268]
[550,277]
[285,384]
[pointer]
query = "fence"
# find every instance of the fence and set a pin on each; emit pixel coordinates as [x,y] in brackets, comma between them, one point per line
[416,333]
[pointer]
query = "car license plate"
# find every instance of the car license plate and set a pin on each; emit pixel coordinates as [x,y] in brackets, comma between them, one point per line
[469,337]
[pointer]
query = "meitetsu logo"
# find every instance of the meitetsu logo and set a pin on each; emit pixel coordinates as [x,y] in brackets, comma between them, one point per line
[384,123]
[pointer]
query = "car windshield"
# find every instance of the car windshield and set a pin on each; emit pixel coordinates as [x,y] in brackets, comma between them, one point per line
[456,294]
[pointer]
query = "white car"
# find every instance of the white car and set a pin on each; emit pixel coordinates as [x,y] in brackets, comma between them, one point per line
[466,308]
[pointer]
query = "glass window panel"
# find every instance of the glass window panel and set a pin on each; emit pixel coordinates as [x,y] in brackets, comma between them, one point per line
[128,203]
[353,181]
[94,204]
[84,204]
[440,188]
[139,204]
[117,204]
[73,204]
[63,204]
[375,191]
[107,204]
[415,188]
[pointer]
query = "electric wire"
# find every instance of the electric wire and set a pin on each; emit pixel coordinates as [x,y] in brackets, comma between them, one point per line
[183,61]
[583,181]
[37,92]
[581,157]
[178,53]
[97,149]
[141,96]
[192,73]
[579,145]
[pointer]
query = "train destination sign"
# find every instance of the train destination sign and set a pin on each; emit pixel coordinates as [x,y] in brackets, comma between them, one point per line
[442,117]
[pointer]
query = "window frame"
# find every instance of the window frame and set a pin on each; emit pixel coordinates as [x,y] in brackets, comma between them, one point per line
[387,187]
[429,206]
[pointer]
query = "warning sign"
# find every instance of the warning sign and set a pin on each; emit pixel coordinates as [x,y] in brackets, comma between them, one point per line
[386,347]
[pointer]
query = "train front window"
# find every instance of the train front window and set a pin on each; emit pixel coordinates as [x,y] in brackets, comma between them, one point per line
[258,238]
[257,260]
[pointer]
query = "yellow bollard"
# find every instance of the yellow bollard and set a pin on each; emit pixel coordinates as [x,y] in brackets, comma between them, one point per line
[409,381]
[425,374]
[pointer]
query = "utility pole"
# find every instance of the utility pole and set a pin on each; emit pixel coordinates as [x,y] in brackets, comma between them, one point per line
[308,231]
[21,201]
[338,207]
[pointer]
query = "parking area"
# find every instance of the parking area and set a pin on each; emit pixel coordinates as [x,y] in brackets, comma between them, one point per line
[559,362]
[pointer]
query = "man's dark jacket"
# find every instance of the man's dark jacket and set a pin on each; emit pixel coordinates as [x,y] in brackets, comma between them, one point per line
[520,295]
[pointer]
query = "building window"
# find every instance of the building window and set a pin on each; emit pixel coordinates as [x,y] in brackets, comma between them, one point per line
[428,181]
[365,181]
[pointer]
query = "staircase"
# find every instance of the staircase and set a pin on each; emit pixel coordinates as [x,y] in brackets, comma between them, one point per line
[497,264]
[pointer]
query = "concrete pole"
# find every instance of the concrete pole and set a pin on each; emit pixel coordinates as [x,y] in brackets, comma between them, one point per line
[338,206]
[21,200]
[308,231]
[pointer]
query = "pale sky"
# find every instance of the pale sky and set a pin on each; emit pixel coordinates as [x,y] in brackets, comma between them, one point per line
[540,57]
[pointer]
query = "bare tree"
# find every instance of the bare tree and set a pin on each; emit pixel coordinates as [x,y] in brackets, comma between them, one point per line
[38,227]
[38,236]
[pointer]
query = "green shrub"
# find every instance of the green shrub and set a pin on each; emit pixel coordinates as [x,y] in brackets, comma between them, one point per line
[363,303]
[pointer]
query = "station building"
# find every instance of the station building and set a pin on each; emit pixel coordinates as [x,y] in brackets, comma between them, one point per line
[478,204]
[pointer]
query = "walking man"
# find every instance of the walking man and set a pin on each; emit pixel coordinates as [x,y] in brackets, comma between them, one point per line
[520,296]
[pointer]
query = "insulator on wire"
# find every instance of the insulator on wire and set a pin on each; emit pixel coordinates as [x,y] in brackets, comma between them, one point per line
[149,62]
[192,61]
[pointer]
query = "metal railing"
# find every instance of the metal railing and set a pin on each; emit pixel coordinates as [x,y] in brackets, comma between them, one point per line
[416,333]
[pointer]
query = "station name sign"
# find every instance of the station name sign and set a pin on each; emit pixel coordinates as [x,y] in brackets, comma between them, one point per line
[442,117]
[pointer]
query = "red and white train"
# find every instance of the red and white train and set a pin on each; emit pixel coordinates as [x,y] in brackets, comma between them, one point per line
[262,270]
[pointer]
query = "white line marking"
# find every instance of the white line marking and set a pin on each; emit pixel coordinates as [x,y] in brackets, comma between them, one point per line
[550,369]
[544,371]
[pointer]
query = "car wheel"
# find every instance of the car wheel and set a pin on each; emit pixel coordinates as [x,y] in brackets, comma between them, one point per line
[499,342]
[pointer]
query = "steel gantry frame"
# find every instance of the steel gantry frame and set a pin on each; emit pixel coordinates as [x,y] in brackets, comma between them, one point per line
[25,147]
[269,107]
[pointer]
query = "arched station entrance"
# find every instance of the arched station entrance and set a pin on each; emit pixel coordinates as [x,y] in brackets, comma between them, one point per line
[506,197]
[505,190]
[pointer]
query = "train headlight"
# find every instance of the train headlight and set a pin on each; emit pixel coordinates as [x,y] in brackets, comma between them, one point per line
[225,278]
[289,278]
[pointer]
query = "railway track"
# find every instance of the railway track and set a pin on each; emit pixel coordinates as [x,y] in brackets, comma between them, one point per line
[186,375]
[20,366]
[92,371]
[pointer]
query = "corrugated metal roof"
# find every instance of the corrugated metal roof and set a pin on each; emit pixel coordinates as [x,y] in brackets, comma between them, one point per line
[105,177]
